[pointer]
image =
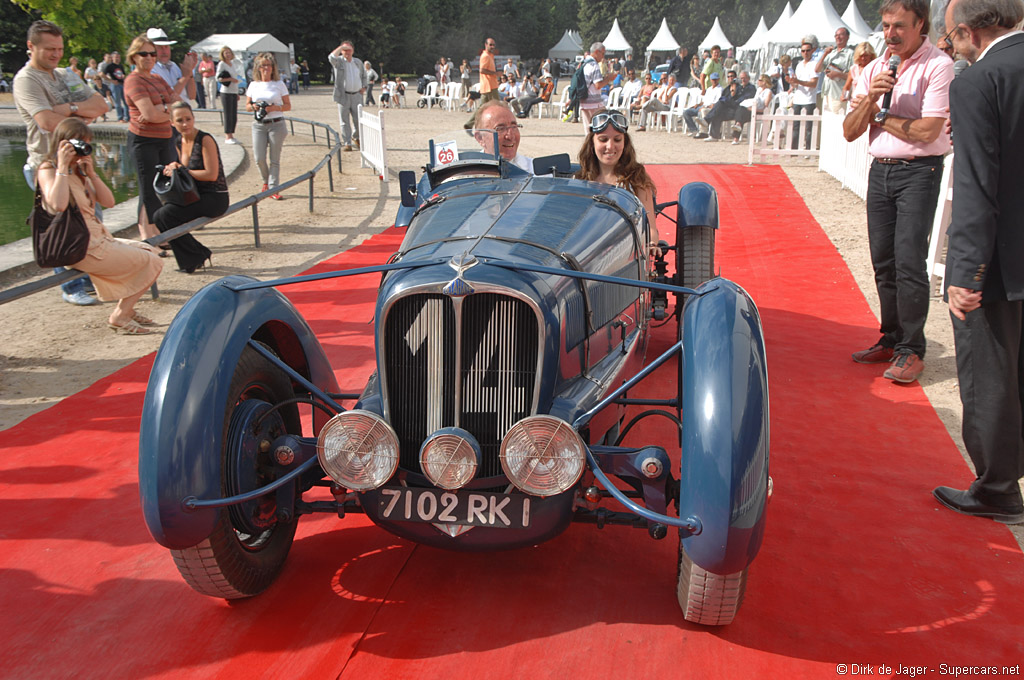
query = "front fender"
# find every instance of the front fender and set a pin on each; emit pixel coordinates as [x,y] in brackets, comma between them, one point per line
[724,471]
[183,415]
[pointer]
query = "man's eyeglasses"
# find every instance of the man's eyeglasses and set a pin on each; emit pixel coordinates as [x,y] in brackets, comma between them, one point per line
[806,49]
[502,129]
[600,121]
[146,54]
[948,38]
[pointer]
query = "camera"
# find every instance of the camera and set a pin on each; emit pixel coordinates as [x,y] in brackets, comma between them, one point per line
[81,148]
[259,111]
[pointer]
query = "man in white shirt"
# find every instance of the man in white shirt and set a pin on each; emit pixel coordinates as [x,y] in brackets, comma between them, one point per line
[498,116]
[711,96]
[805,89]
[595,81]
[631,88]
[659,101]
[170,71]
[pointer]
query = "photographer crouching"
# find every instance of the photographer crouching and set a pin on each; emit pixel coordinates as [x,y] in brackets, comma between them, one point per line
[267,98]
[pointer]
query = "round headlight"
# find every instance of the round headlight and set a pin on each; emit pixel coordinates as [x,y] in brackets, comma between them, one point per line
[450,458]
[358,449]
[543,455]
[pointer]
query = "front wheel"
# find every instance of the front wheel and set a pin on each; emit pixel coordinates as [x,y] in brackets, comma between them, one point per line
[696,255]
[706,598]
[249,545]
[421,103]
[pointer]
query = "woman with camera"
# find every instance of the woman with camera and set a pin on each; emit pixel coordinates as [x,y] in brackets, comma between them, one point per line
[121,270]
[267,98]
[149,130]
[199,156]
[229,74]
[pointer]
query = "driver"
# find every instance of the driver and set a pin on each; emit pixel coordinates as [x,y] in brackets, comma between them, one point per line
[498,116]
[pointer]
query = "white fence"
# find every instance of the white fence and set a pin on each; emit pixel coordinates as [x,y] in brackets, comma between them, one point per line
[847,161]
[373,151]
[766,135]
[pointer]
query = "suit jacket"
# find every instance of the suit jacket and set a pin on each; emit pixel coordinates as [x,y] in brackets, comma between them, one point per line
[986,235]
[340,86]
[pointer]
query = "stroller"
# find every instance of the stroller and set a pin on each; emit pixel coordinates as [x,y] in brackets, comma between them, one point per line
[421,89]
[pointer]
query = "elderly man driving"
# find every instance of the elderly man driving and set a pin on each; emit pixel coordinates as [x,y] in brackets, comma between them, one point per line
[498,116]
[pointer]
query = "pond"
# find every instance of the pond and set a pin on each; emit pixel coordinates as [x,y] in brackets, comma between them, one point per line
[113,164]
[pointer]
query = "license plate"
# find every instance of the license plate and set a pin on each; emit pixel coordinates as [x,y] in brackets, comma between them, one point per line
[474,509]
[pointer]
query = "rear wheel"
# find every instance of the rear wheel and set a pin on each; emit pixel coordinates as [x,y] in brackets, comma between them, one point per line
[706,598]
[247,549]
[696,255]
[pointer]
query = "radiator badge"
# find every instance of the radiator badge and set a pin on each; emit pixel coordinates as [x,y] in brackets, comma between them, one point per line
[458,287]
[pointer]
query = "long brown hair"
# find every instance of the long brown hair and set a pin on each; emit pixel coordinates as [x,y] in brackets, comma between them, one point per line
[631,172]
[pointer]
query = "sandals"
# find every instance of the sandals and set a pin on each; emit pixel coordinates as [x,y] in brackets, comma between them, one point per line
[143,320]
[130,328]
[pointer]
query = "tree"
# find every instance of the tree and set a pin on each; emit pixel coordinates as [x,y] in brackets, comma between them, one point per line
[14,23]
[90,27]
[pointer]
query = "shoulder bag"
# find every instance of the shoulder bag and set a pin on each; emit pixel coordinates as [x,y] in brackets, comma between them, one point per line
[178,189]
[57,240]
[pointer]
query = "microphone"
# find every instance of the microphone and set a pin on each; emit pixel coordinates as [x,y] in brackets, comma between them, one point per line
[894,64]
[959,66]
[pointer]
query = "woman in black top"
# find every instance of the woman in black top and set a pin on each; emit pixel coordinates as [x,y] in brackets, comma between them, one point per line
[199,155]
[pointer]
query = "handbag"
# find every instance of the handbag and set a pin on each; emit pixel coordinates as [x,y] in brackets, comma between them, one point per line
[178,189]
[57,240]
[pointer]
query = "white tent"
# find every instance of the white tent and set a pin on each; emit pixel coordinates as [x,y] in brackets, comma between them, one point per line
[245,46]
[756,40]
[812,17]
[567,48]
[615,41]
[716,36]
[779,26]
[855,21]
[663,41]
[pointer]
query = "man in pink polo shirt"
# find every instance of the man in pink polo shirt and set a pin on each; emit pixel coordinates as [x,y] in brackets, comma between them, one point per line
[908,144]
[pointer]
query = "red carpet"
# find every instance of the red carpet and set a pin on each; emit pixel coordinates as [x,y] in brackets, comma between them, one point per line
[859,564]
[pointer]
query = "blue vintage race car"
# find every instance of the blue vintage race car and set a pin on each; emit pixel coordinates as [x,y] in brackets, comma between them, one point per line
[509,328]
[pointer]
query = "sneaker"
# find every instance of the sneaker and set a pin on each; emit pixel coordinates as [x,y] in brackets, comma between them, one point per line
[906,366]
[711,139]
[79,297]
[232,141]
[876,354]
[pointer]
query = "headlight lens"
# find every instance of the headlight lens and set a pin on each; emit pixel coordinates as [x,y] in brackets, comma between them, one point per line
[358,449]
[543,455]
[450,458]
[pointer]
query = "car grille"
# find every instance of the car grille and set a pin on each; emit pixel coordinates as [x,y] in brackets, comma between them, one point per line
[486,341]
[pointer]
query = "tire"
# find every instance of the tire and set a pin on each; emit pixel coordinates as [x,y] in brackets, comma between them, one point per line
[706,598]
[696,255]
[234,562]
[421,103]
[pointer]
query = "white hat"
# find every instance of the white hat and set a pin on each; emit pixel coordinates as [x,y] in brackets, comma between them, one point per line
[158,37]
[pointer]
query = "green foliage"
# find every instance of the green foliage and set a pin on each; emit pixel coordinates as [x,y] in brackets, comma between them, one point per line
[138,15]
[14,23]
[91,27]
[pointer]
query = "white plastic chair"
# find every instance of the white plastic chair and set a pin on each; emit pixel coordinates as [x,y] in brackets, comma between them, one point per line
[675,110]
[431,94]
[613,99]
[555,108]
[452,96]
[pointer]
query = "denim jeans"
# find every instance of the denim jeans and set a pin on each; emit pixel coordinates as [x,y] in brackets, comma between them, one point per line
[901,203]
[117,92]
[82,283]
[268,138]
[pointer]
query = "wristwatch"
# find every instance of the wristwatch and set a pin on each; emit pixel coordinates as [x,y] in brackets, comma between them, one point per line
[74,108]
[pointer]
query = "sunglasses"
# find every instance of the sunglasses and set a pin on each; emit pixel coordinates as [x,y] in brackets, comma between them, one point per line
[146,54]
[600,121]
[806,49]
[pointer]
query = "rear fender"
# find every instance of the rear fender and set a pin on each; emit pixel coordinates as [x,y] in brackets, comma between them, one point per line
[183,415]
[724,475]
[698,206]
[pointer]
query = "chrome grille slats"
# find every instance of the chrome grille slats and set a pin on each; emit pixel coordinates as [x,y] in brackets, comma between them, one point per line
[488,346]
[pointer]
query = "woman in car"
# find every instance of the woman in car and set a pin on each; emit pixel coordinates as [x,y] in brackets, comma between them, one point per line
[268,93]
[608,156]
[121,270]
[199,156]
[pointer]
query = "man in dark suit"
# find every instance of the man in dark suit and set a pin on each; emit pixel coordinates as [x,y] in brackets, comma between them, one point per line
[985,260]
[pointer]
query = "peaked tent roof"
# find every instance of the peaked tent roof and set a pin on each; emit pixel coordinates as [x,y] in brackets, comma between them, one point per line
[615,41]
[780,25]
[816,17]
[716,36]
[240,42]
[567,48]
[855,20]
[756,40]
[663,41]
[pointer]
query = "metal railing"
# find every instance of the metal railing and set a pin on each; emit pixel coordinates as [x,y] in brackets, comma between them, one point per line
[26,289]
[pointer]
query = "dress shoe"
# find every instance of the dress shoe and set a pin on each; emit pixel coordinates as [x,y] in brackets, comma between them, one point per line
[965,503]
[906,366]
[876,354]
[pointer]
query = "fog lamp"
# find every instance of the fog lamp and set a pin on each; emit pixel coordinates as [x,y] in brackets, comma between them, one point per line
[543,455]
[358,449]
[450,458]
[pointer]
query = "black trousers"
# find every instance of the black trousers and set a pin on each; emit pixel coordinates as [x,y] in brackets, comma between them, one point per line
[148,152]
[797,110]
[230,104]
[990,369]
[900,207]
[188,251]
